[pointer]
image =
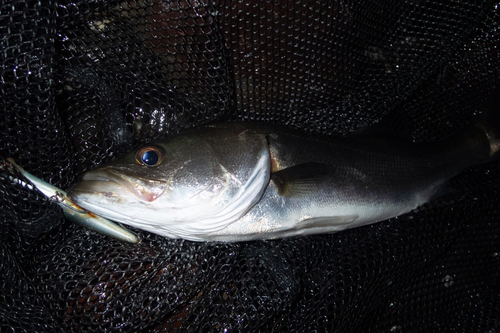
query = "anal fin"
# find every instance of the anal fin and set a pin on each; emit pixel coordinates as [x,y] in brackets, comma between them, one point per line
[326,221]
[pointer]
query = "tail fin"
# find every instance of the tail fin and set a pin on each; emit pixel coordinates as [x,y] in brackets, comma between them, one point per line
[489,122]
[492,131]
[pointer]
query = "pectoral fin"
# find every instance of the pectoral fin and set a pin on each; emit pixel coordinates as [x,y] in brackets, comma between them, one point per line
[300,179]
[326,221]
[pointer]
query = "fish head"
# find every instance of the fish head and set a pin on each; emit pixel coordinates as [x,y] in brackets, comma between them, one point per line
[181,188]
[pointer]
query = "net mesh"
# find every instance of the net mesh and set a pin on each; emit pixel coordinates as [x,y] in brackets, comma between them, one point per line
[85,81]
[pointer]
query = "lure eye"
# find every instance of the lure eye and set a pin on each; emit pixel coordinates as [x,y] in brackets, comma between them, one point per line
[150,156]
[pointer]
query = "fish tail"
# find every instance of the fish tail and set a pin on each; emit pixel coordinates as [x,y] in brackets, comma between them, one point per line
[492,131]
[489,122]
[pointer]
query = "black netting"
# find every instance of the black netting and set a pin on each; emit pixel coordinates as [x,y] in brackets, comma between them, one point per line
[83,82]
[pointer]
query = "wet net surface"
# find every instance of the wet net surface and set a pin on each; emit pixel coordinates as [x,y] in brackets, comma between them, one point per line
[83,82]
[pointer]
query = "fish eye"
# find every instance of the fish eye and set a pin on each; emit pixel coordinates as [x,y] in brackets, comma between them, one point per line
[150,156]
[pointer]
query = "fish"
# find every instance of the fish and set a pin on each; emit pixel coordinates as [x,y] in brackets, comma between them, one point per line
[243,181]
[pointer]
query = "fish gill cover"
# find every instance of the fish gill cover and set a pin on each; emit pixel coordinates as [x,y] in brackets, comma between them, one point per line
[83,82]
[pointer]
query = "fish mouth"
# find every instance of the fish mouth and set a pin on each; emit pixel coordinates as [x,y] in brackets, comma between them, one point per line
[103,176]
[94,182]
[94,186]
[112,183]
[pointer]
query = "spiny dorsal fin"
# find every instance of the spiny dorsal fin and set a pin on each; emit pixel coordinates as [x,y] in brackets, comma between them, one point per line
[299,179]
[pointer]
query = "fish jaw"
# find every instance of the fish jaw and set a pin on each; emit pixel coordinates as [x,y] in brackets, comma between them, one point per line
[106,202]
[116,182]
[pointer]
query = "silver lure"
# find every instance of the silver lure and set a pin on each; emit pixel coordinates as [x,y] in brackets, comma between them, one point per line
[75,213]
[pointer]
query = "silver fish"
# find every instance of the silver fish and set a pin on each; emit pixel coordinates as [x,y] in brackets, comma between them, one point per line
[239,182]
